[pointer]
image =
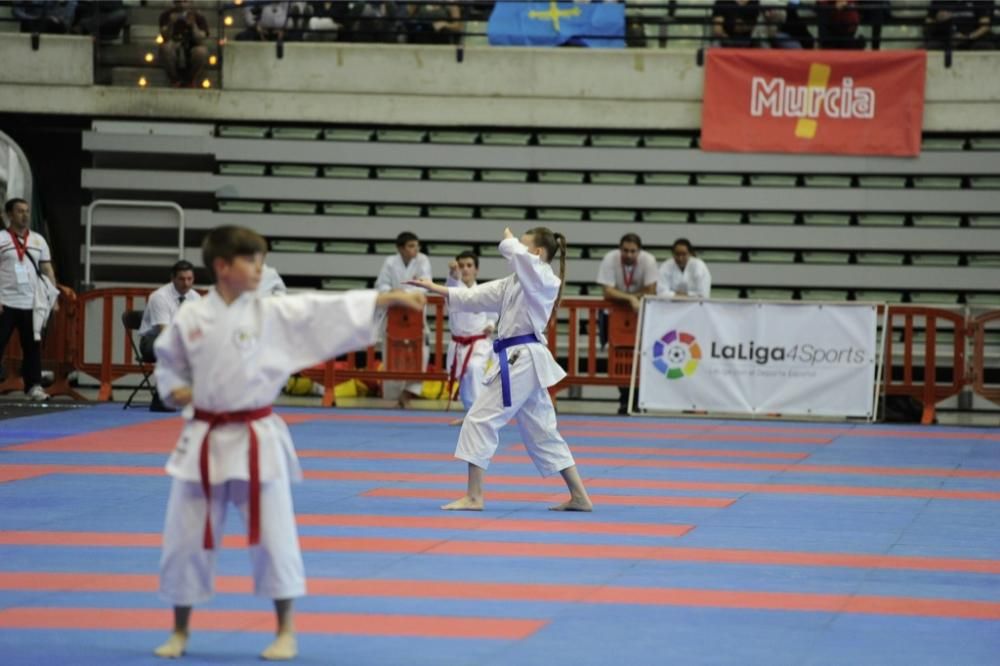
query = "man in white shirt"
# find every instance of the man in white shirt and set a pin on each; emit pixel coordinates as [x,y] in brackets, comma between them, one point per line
[626,275]
[161,307]
[409,263]
[23,255]
[684,275]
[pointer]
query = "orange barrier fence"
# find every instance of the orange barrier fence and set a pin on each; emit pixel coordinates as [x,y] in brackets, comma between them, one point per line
[913,365]
[58,350]
[978,332]
[922,382]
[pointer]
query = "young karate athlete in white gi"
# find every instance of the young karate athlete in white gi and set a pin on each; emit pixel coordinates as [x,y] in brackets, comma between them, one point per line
[517,388]
[470,350]
[228,355]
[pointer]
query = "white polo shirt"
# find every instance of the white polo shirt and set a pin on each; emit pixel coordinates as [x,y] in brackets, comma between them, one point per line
[163,305]
[18,277]
[631,280]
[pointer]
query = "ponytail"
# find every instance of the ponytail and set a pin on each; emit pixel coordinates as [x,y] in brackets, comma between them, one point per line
[554,244]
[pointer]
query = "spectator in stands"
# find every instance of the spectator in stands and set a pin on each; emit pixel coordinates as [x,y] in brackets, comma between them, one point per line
[733,21]
[183,52]
[322,21]
[962,24]
[24,257]
[161,306]
[626,275]
[837,24]
[684,275]
[434,23]
[374,22]
[45,15]
[265,21]
[103,19]
[409,263]
[781,28]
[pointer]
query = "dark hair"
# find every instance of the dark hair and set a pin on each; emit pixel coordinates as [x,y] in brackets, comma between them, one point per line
[686,243]
[180,267]
[468,254]
[405,237]
[631,238]
[229,242]
[9,206]
[552,242]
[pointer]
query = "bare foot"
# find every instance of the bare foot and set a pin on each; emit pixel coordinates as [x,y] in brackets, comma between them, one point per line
[573,505]
[457,422]
[283,648]
[466,503]
[174,647]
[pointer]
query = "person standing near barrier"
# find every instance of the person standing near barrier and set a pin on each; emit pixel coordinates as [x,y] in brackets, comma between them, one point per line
[24,257]
[227,356]
[470,351]
[684,275]
[526,370]
[626,275]
[409,263]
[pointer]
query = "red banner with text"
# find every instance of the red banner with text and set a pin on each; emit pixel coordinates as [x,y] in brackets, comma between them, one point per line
[839,102]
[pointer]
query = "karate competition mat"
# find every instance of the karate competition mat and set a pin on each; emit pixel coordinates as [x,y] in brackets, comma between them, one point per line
[712,542]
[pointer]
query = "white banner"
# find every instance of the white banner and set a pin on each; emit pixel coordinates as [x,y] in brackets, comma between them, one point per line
[758,358]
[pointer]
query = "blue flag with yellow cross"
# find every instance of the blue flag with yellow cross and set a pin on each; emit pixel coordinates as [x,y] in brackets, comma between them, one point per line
[595,24]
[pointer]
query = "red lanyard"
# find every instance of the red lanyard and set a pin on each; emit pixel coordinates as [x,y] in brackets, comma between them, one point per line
[18,247]
[628,275]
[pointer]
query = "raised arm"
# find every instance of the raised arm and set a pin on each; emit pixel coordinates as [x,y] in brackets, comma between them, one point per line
[534,274]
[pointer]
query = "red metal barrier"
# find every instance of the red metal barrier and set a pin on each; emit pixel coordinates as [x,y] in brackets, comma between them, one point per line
[582,355]
[927,389]
[58,350]
[978,332]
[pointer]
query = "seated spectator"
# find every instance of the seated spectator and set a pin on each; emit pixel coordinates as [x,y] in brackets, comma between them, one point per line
[780,27]
[733,22]
[962,24]
[373,22]
[626,275]
[837,24]
[161,307]
[322,21]
[265,21]
[434,23]
[45,16]
[103,19]
[684,275]
[183,52]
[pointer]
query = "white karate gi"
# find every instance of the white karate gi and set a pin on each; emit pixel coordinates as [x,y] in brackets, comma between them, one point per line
[694,281]
[271,283]
[237,358]
[394,275]
[524,301]
[467,324]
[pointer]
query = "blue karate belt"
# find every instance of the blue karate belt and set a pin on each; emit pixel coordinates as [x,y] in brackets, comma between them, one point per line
[500,348]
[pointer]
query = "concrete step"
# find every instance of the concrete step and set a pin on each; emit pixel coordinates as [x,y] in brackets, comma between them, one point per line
[155,76]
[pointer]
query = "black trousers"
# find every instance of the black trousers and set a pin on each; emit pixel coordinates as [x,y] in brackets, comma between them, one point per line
[12,319]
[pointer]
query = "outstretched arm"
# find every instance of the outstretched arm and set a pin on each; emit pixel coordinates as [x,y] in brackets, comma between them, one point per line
[487,297]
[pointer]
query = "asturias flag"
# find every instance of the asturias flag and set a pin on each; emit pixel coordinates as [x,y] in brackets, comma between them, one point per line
[596,24]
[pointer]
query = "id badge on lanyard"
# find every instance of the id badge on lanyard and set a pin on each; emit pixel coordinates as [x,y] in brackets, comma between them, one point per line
[21,272]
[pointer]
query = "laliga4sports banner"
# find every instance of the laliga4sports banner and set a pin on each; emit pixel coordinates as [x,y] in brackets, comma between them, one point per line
[758,358]
[838,102]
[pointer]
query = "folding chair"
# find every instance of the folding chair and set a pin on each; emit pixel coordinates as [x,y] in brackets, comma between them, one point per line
[132,320]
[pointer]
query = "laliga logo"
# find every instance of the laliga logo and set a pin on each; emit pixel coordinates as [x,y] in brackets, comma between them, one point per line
[676,354]
[778,99]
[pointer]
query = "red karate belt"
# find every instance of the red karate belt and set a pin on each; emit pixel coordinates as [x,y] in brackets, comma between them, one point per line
[461,341]
[214,420]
